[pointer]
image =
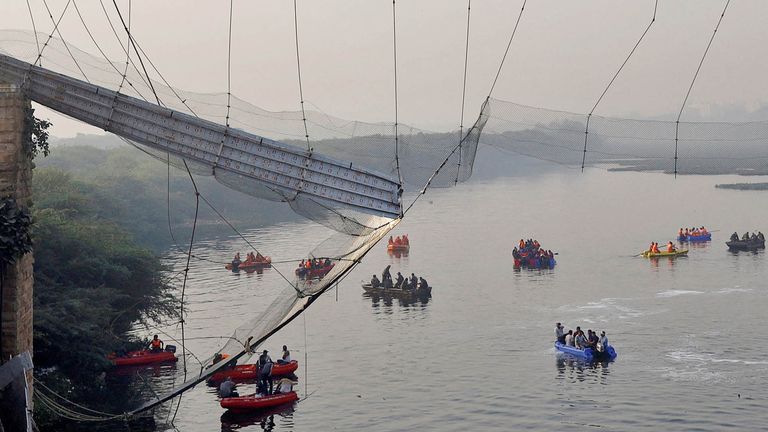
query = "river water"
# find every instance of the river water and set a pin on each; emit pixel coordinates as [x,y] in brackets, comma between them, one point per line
[478,355]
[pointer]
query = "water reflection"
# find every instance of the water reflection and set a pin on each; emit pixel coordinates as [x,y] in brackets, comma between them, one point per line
[404,300]
[397,254]
[573,369]
[265,419]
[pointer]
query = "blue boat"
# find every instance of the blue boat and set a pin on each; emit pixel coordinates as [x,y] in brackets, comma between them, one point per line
[699,238]
[587,354]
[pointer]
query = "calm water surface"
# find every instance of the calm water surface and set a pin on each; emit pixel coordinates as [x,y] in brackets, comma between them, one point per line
[478,355]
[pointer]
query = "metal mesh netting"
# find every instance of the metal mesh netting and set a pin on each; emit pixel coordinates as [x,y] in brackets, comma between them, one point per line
[559,137]
[364,144]
[370,145]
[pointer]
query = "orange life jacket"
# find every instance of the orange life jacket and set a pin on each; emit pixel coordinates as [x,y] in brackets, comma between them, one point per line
[156,343]
[670,248]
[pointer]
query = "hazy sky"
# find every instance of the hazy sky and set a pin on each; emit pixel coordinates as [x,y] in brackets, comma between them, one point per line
[563,56]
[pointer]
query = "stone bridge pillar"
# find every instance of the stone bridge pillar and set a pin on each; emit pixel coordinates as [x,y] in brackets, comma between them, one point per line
[15,182]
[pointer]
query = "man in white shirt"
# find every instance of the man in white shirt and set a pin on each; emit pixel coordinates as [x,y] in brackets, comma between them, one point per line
[559,333]
[569,338]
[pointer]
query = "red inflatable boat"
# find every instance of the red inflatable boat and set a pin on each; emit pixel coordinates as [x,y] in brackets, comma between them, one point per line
[248,372]
[244,404]
[138,358]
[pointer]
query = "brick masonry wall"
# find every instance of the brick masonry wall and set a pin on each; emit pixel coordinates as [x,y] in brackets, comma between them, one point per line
[15,182]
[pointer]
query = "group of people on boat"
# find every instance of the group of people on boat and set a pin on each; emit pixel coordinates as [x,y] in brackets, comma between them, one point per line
[400,282]
[747,237]
[314,265]
[692,232]
[577,338]
[529,253]
[250,258]
[266,385]
[654,248]
[398,241]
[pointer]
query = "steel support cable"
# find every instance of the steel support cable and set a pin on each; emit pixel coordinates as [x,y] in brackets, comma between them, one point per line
[50,36]
[58,31]
[34,28]
[127,51]
[126,48]
[599,99]
[463,92]
[298,70]
[229,90]
[506,51]
[693,81]
[100,413]
[140,52]
[186,277]
[130,39]
[394,57]
[103,54]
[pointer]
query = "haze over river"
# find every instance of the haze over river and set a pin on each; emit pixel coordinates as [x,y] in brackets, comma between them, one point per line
[690,332]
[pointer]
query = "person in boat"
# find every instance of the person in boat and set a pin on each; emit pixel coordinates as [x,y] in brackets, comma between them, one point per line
[414,281]
[405,240]
[745,237]
[390,241]
[650,248]
[569,338]
[704,231]
[655,248]
[603,340]
[592,339]
[559,333]
[386,278]
[259,257]
[515,253]
[579,340]
[285,385]
[264,366]
[423,283]
[735,237]
[521,244]
[228,388]
[156,345]
[400,279]
[760,236]
[753,237]
[670,247]
[286,356]
[375,282]
[681,234]
[398,241]
[327,262]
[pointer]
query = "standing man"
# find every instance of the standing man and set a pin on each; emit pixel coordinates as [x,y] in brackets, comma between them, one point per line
[264,365]
[560,333]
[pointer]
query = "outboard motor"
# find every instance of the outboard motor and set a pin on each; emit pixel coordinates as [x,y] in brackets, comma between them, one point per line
[170,348]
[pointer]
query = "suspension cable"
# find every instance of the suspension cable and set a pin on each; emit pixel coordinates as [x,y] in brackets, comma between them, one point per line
[50,36]
[130,39]
[695,75]
[34,28]
[506,51]
[298,70]
[394,57]
[589,116]
[463,93]
[184,284]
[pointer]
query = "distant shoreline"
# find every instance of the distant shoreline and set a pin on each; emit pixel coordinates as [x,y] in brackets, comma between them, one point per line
[743,186]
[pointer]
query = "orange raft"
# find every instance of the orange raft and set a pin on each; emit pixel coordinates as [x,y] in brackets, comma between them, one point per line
[247,265]
[248,372]
[244,404]
[138,358]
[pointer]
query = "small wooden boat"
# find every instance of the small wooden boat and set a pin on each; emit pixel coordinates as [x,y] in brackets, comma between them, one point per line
[247,265]
[418,292]
[248,372]
[587,354]
[677,253]
[145,357]
[746,244]
[244,404]
[695,238]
